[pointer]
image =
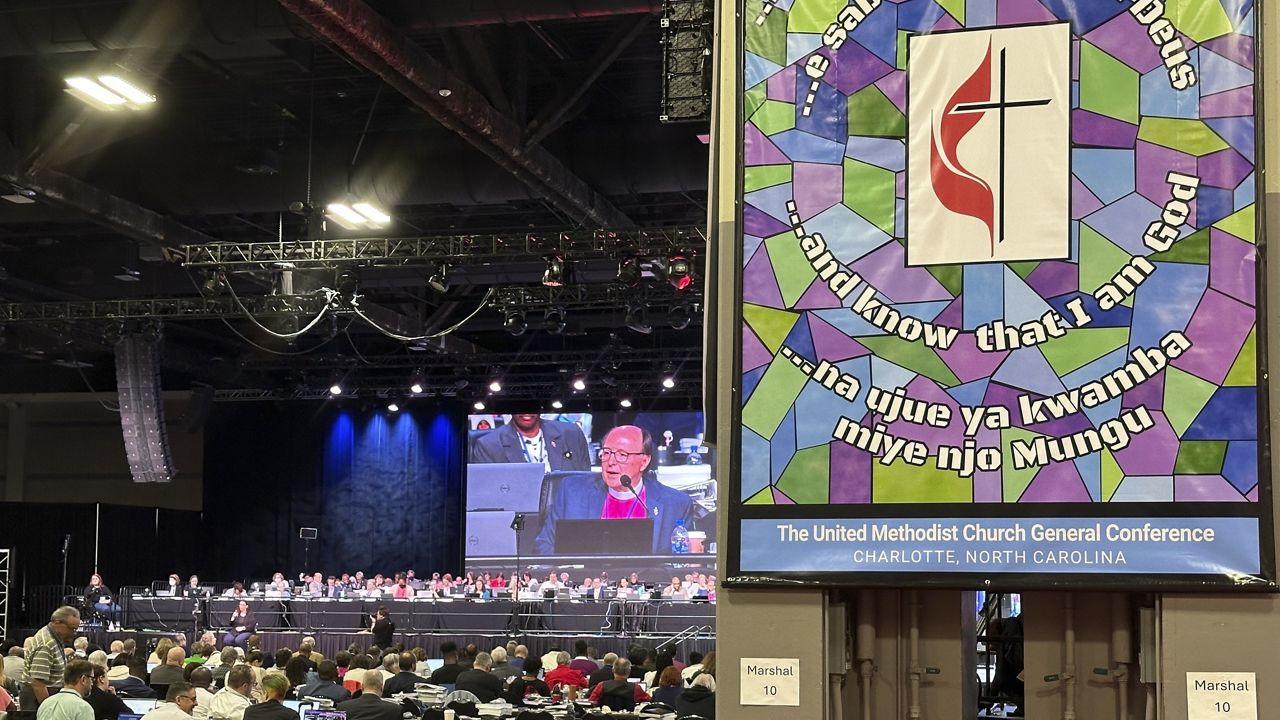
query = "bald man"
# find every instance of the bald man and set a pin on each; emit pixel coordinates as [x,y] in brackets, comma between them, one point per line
[627,452]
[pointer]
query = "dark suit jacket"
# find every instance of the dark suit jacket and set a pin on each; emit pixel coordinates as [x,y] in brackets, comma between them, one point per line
[370,707]
[486,686]
[401,682]
[324,689]
[581,497]
[133,687]
[566,446]
[270,710]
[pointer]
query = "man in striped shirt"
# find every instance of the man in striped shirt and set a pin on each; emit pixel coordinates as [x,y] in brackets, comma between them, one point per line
[45,662]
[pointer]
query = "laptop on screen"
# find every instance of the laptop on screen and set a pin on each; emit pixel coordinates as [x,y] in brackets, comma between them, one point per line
[598,537]
[504,486]
[128,716]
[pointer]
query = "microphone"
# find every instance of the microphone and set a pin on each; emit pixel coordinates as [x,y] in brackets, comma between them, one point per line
[626,483]
[66,543]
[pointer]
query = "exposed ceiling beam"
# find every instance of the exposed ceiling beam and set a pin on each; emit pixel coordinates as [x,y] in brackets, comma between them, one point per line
[559,108]
[111,211]
[375,43]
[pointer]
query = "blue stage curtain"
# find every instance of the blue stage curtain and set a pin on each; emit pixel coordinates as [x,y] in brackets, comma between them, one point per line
[391,493]
[385,492]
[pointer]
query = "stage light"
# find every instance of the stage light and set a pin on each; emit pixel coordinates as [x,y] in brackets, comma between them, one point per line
[479,405]
[679,270]
[668,377]
[637,319]
[624,402]
[495,386]
[554,275]
[347,282]
[514,322]
[681,315]
[553,320]
[416,381]
[335,383]
[580,381]
[393,406]
[439,280]
[335,389]
[557,404]
[629,271]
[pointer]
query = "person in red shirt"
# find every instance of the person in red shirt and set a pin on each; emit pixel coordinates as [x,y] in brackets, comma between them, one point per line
[617,688]
[565,675]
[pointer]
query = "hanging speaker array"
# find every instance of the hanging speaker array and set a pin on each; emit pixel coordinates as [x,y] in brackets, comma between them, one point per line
[146,441]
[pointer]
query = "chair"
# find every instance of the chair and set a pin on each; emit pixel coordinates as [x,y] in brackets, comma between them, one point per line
[461,696]
[463,709]
[534,715]
[619,698]
[657,708]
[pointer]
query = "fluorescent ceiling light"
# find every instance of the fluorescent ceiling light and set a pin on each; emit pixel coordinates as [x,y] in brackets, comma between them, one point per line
[345,216]
[93,93]
[372,213]
[127,90]
[17,199]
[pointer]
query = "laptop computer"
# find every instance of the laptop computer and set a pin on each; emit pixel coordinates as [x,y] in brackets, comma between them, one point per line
[604,537]
[314,714]
[504,486]
[141,706]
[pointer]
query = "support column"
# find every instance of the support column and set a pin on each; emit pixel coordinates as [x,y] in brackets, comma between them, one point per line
[750,623]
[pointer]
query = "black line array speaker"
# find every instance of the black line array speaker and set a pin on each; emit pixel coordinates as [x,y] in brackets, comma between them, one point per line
[146,442]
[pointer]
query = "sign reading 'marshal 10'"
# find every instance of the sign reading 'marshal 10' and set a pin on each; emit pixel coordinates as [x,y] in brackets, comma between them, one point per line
[999,295]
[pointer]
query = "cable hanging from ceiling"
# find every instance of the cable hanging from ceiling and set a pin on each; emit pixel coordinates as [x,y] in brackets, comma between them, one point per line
[355,306]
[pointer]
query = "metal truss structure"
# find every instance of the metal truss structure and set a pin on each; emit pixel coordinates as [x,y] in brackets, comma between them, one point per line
[463,249]
[6,586]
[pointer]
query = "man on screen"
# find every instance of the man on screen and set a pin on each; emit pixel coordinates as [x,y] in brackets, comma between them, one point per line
[627,452]
[530,439]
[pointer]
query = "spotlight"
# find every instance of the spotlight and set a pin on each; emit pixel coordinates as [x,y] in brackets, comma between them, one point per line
[514,321]
[212,285]
[393,406]
[580,381]
[624,402]
[460,380]
[335,383]
[479,405]
[416,381]
[668,377]
[679,270]
[554,275]
[637,319]
[557,404]
[553,320]
[495,386]
[629,271]
[680,316]
[439,280]
[347,282]
[335,388]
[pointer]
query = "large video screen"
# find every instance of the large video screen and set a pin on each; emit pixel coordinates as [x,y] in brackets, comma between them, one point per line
[596,495]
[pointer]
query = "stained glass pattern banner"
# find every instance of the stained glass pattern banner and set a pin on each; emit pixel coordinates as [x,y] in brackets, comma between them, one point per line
[1000,292]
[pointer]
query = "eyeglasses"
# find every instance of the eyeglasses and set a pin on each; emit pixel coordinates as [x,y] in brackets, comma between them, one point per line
[621,456]
[192,698]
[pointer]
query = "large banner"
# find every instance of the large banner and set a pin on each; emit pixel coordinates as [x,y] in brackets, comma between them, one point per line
[999,295]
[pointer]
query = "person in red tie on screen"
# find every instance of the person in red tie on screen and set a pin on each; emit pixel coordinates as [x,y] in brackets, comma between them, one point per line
[620,491]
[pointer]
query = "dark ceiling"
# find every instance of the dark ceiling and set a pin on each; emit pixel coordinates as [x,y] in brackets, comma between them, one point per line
[529,126]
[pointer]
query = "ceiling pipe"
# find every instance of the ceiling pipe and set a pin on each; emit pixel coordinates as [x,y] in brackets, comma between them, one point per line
[43,27]
[111,211]
[380,47]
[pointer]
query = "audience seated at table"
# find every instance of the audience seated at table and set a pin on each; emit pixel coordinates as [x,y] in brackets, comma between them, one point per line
[619,693]
[370,705]
[479,681]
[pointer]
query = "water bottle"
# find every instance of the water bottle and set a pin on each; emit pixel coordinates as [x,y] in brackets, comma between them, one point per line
[680,539]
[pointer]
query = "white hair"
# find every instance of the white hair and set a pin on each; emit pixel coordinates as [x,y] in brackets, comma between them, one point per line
[704,680]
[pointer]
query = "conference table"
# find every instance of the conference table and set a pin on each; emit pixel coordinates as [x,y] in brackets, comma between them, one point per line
[425,615]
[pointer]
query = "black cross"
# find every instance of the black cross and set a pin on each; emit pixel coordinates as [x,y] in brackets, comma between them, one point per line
[1002,104]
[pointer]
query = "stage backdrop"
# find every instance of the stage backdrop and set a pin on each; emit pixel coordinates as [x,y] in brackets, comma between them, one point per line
[999,295]
[383,490]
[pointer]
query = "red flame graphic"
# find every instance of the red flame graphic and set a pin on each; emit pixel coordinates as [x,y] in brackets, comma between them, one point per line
[957,188]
